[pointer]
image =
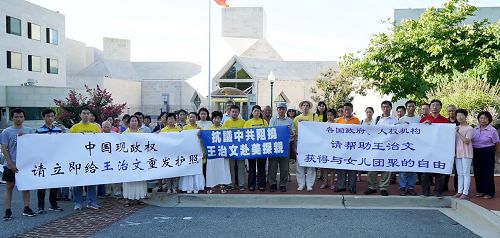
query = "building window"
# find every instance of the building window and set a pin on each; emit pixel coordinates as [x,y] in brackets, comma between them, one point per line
[52,66]
[13,26]
[34,63]
[236,72]
[52,37]
[34,31]
[165,99]
[196,101]
[14,60]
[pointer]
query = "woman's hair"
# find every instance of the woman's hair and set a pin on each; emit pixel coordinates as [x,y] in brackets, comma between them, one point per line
[463,111]
[487,114]
[217,114]
[256,107]
[332,111]
[324,113]
[371,108]
[133,116]
[204,110]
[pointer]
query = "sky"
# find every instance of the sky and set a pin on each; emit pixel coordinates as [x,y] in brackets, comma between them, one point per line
[168,30]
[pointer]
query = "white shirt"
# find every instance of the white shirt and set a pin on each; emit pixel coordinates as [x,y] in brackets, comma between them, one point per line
[390,120]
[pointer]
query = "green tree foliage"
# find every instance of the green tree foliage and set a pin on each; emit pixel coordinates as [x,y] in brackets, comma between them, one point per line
[410,59]
[99,101]
[333,88]
[469,91]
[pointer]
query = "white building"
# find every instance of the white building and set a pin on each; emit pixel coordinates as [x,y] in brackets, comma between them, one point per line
[244,78]
[39,64]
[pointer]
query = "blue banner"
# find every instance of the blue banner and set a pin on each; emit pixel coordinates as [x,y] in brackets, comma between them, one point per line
[246,143]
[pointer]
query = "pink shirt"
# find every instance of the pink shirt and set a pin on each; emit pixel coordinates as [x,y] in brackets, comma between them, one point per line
[486,137]
[464,150]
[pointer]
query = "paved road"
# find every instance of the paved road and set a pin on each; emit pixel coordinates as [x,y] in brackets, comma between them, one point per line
[19,223]
[242,222]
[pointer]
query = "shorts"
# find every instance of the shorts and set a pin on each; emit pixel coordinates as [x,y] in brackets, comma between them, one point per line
[8,175]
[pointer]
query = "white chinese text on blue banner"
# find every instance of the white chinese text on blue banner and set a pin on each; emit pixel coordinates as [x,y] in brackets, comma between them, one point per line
[246,143]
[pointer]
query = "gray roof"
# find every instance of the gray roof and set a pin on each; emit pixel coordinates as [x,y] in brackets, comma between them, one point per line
[111,69]
[286,70]
[166,70]
[141,70]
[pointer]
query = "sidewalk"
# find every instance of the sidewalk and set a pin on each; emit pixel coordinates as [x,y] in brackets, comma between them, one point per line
[490,204]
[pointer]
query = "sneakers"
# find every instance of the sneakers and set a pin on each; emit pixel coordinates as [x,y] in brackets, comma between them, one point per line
[384,193]
[282,189]
[273,188]
[28,212]
[242,188]
[93,206]
[78,207]
[56,209]
[402,192]
[309,189]
[41,211]
[8,215]
[300,188]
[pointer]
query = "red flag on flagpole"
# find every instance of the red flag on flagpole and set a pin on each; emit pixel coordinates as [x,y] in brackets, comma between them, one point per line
[222,3]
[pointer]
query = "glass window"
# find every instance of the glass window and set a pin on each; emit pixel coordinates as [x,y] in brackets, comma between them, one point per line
[13,26]
[52,37]
[52,66]
[236,72]
[14,60]
[34,31]
[34,63]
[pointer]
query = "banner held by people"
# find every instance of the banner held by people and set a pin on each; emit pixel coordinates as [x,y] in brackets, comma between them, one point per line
[248,143]
[65,160]
[398,148]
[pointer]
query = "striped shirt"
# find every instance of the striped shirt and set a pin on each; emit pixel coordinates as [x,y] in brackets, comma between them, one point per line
[47,130]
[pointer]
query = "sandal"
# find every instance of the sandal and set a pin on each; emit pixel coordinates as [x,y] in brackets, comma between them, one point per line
[488,197]
[479,195]
[210,191]
[127,204]
[323,186]
[140,202]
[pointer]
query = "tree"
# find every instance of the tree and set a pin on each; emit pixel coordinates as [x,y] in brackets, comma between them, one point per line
[475,94]
[408,60]
[99,101]
[333,88]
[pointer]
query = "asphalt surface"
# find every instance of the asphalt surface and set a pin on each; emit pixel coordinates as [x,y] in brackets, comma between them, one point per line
[19,223]
[242,222]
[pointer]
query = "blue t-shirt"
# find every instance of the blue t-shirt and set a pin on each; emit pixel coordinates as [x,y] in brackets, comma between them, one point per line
[9,138]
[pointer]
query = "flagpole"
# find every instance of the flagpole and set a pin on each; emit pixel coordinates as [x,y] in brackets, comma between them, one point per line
[209,55]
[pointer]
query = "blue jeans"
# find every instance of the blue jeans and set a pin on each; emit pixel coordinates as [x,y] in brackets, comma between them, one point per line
[407,180]
[91,194]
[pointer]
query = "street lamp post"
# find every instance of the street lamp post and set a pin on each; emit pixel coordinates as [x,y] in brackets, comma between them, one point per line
[271,79]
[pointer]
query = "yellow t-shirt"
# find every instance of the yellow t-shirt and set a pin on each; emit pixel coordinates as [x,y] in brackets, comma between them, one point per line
[190,127]
[231,124]
[318,118]
[213,128]
[310,117]
[168,129]
[84,128]
[128,131]
[255,123]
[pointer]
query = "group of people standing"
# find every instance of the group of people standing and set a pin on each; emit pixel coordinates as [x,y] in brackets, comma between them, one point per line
[476,146]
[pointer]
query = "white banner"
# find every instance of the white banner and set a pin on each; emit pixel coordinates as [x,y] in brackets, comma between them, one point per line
[66,160]
[398,148]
